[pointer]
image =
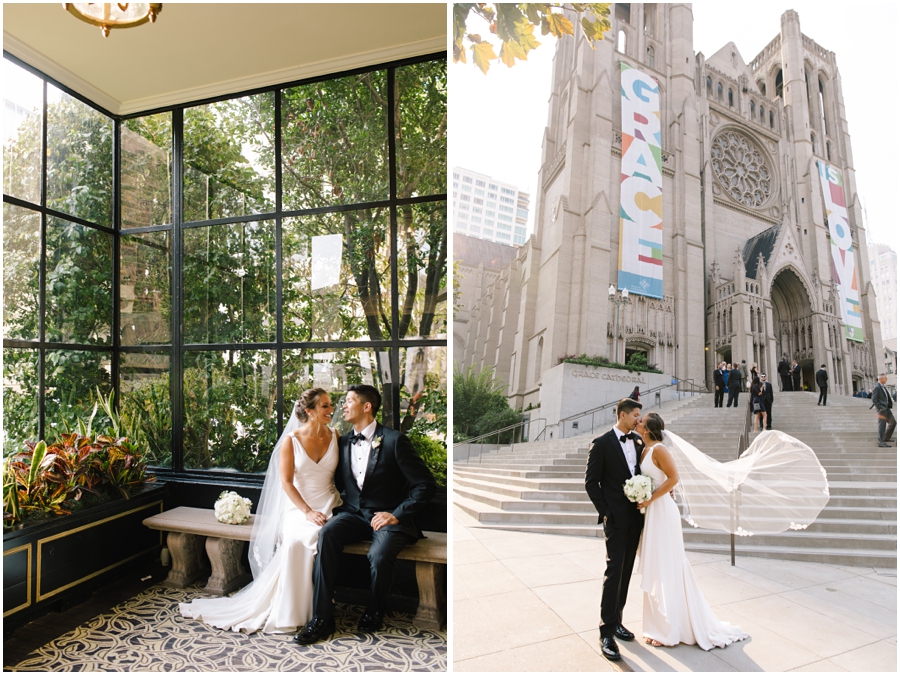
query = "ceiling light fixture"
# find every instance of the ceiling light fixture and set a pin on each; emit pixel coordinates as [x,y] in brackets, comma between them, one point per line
[114,15]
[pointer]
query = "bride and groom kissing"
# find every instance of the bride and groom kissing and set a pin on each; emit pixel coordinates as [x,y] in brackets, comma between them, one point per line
[675,610]
[322,492]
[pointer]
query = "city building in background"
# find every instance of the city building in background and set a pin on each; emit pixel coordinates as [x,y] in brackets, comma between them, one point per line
[489,209]
[883,271]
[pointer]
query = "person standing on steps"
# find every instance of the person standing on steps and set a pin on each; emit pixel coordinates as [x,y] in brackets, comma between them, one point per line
[784,372]
[719,384]
[795,376]
[822,384]
[883,403]
[768,396]
[734,386]
[743,369]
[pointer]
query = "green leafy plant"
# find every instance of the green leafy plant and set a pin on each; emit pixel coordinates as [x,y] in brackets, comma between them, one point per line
[637,362]
[433,452]
[480,405]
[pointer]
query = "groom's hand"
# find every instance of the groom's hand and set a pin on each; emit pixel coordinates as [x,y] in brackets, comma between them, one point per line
[383,518]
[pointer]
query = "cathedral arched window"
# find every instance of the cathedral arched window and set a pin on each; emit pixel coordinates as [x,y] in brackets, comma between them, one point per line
[650,12]
[779,84]
[815,145]
[771,119]
[651,57]
[752,110]
[709,86]
[822,107]
[762,115]
[762,87]
[719,91]
[828,150]
[620,44]
[730,98]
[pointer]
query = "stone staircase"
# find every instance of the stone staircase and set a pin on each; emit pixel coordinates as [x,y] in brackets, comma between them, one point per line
[539,487]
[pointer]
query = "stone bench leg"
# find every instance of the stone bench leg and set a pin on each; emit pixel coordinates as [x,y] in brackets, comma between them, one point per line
[432,612]
[228,574]
[187,559]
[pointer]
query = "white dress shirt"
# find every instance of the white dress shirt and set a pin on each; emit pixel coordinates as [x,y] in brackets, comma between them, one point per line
[359,454]
[627,448]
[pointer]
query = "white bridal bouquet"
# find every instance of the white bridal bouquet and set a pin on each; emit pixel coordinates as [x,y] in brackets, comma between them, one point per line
[233,509]
[639,489]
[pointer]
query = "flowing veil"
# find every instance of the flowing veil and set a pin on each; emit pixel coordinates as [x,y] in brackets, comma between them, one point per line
[269,519]
[775,485]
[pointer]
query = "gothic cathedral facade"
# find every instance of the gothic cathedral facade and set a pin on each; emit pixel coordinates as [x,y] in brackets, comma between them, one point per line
[747,256]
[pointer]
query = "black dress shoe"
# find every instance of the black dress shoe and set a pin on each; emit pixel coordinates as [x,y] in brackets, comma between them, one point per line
[609,648]
[624,634]
[371,621]
[314,631]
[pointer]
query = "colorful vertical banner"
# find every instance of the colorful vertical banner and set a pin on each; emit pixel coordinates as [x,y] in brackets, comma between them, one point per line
[640,213]
[843,258]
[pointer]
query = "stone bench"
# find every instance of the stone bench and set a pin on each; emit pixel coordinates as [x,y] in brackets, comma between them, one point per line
[187,527]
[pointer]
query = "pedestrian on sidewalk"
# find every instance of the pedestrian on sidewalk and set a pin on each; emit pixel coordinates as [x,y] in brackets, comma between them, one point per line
[635,395]
[883,403]
[768,396]
[822,384]
[719,384]
[795,376]
[734,386]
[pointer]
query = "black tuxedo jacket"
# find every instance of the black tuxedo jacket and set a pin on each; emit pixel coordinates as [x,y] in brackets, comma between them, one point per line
[397,480]
[605,476]
[768,392]
[784,368]
[821,378]
[718,378]
[734,379]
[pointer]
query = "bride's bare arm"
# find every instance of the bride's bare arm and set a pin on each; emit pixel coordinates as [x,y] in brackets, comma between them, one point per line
[663,459]
[286,464]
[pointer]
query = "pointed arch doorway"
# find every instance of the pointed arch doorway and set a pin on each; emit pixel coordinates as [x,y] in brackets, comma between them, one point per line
[792,316]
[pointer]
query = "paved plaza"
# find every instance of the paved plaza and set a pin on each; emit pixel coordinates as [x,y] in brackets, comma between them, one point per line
[531,602]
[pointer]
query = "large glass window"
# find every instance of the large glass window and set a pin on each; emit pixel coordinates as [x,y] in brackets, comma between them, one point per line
[261,246]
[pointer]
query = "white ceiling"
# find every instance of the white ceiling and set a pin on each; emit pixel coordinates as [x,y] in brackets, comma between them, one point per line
[196,51]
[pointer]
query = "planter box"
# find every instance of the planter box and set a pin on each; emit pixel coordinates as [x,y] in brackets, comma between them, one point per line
[57,559]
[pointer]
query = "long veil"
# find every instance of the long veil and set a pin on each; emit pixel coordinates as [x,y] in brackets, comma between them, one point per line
[775,485]
[269,519]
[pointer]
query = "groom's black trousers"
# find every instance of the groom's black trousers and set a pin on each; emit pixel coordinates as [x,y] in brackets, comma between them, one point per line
[347,528]
[621,548]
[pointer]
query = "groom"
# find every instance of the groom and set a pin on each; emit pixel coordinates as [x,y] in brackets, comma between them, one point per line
[383,484]
[614,458]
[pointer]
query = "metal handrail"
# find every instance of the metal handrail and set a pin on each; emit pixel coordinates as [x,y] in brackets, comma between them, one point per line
[497,432]
[694,389]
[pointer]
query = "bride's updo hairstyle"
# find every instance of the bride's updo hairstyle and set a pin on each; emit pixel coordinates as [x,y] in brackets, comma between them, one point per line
[308,400]
[654,425]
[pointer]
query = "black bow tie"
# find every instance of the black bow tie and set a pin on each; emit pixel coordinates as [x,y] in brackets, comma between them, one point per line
[357,438]
[624,438]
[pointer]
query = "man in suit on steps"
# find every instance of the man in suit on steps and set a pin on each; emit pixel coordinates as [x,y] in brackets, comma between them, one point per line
[883,403]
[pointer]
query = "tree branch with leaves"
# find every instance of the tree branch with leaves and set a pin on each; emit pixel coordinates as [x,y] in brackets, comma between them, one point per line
[513,24]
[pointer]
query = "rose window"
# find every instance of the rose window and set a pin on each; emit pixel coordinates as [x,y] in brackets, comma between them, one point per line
[740,169]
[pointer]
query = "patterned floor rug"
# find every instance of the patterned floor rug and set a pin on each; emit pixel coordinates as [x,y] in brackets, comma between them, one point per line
[147,633]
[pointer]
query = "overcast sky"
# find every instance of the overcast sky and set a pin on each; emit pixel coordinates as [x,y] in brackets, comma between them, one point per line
[497,120]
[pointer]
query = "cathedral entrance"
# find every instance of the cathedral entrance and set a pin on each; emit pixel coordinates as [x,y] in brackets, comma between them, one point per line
[792,315]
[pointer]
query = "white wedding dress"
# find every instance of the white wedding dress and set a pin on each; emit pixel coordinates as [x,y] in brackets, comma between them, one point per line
[280,599]
[674,607]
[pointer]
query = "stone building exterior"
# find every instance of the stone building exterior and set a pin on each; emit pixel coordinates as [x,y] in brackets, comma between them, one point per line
[746,249]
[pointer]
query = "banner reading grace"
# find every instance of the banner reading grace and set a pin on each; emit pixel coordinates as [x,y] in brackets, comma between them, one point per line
[640,213]
[843,258]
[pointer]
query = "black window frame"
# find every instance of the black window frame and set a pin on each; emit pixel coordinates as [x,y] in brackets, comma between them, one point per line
[177,348]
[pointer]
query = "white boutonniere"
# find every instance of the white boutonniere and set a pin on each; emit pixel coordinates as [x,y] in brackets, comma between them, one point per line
[376,442]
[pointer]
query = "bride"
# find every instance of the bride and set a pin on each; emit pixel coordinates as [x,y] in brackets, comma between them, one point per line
[674,607]
[297,499]
[775,485]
